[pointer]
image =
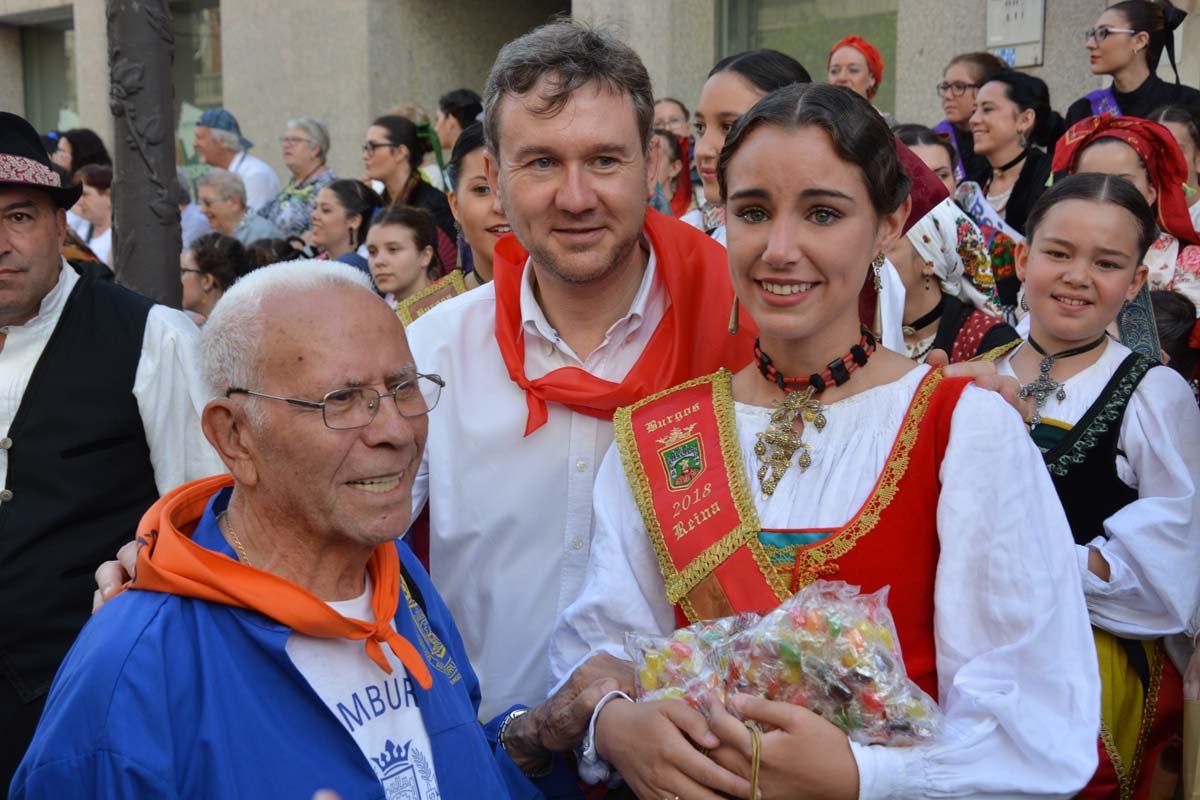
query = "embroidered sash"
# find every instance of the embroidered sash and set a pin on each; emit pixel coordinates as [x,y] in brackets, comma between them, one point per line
[683,462]
[413,306]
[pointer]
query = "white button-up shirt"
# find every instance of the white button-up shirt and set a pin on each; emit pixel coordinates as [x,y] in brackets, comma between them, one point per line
[510,515]
[169,390]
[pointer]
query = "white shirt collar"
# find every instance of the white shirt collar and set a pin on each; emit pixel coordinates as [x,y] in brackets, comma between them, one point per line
[649,302]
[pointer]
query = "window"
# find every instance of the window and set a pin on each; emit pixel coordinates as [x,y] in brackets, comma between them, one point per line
[806,29]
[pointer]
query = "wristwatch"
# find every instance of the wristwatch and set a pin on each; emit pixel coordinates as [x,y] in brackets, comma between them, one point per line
[539,772]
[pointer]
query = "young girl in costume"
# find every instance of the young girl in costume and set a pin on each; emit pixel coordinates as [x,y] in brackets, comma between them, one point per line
[1120,434]
[404,264]
[831,458]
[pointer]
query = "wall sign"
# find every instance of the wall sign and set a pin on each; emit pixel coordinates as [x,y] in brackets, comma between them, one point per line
[1015,30]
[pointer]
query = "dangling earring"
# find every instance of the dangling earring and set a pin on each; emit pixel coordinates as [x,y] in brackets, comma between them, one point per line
[877,271]
[352,237]
[1024,301]
[458,246]
[1024,139]
[733,318]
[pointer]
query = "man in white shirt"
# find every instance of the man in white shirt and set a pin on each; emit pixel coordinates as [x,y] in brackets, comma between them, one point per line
[99,414]
[595,304]
[219,143]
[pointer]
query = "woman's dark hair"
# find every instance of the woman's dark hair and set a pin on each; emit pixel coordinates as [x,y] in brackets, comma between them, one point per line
[86,148]
[674,150]
[1175,318]
[262,252]
[1098,188]
[767,69]
[470,140]
[356,198]
[403,131]
[97,176]
[1029,92]
[424,231]
[464,105]
[860,136]
[221,256]
[915,135]
[1160,21]
[1180,114]
[982,65]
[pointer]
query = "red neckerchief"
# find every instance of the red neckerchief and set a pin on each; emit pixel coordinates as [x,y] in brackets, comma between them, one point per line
[691,340]
[169,561]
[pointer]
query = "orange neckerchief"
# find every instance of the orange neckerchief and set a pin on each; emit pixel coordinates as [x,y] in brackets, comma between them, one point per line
[691,340]
[169,561]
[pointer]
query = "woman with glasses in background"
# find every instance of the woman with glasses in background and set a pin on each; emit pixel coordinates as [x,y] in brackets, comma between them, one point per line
[1127,42]
[960,81]
[305,145]
[392,155]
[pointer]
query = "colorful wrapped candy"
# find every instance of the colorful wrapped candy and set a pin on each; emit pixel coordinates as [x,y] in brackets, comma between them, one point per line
[835,652]
[689,664]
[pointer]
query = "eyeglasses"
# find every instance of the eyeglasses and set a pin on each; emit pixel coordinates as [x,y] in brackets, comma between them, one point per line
[1103,32]
[356,407]
[294,140]
[371,147]
[955,89]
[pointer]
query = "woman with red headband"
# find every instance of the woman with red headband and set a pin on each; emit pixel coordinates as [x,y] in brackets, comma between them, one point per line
[1147,155]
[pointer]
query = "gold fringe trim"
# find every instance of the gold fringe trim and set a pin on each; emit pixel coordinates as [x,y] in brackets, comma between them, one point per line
[817,560]
[404,309]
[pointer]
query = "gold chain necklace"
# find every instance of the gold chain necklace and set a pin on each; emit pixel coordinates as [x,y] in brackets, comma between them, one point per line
[780,441]
[237,543]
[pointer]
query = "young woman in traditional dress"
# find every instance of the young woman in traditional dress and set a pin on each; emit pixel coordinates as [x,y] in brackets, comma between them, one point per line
[1120,434]
[830,458]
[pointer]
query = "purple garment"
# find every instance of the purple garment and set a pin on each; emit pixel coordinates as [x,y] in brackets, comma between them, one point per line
[1104,102]
[944,127]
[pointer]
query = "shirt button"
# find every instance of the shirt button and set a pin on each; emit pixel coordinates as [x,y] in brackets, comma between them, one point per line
[576,543]
[6,495]
[5,443]
[581,465]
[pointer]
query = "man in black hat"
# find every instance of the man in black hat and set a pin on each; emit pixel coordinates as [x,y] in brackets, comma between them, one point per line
[100,395]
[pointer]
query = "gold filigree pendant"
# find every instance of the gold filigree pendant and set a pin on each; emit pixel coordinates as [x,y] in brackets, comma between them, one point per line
[777,445]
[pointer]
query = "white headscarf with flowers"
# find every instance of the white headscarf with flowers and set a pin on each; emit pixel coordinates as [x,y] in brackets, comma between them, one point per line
[952,246]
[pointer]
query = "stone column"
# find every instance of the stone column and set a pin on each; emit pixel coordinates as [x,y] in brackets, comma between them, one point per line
[146,237]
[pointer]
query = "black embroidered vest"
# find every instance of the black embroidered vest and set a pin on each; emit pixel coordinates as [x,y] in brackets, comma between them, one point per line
[80,478]
[1083,465]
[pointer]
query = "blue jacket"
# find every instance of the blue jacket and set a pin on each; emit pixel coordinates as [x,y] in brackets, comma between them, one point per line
[167,696]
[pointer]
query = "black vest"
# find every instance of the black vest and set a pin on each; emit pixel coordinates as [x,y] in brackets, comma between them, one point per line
[80,478]
[1083,465]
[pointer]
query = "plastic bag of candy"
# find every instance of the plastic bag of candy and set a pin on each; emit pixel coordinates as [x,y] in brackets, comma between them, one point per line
[835,652]
[688,665]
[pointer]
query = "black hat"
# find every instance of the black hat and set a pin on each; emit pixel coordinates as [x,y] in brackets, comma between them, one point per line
[23,161]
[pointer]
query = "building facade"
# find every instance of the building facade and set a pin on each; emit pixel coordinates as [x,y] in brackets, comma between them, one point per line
[346,61]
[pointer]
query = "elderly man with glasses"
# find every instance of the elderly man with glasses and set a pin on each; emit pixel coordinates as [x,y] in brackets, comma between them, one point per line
[278,639]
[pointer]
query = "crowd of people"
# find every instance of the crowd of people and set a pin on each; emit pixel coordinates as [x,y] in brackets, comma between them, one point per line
[376,511]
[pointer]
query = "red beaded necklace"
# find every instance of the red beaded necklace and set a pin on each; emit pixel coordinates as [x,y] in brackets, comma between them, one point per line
[837,373]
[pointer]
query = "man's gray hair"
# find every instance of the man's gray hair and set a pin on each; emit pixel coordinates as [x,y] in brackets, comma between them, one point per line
[227,139]
[569,55]
[228,185]
[230,339]
[316,131]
